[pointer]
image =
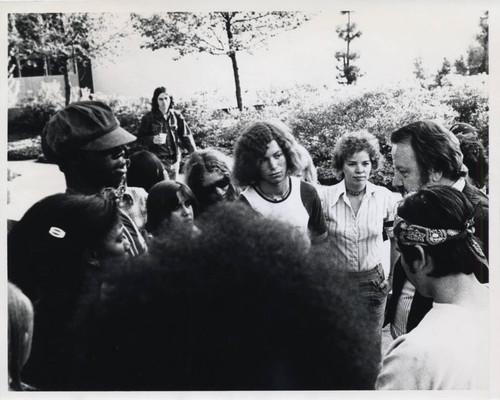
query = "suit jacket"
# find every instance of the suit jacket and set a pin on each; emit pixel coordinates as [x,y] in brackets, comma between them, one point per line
[421,305]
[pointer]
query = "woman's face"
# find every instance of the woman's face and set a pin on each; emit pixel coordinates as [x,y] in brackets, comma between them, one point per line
[116,244]
[273,166]
[357,169]
[163,102]
[183,213]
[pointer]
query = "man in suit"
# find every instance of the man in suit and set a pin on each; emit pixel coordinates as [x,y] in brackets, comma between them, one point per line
[424,153]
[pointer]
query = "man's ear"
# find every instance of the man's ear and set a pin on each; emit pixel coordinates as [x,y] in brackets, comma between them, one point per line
[422,262]
[71,163]
[435,176]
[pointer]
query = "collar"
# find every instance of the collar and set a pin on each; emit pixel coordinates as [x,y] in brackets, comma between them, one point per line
[459,185]
[127,196]
[340,190]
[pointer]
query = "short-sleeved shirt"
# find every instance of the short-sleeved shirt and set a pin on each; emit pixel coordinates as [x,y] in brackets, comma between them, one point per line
[357,239]
[301,208]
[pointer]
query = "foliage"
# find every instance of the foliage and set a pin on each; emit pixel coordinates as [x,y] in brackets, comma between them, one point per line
[443,71]
[29,120]
[477,58]
[128,111]
[348,73]
[216,33]
[467,97]
[25,149]
[419,70]
[461,66]
[60,37]
[318,116]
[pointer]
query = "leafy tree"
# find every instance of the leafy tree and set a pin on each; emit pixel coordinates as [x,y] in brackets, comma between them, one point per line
[477,58]
[461,66]
[482,39]
[62,38]
[419,70]
[216,33]
[443,71]
[348,73]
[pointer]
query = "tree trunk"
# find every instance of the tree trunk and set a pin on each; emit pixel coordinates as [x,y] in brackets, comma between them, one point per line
[67,84]
[232,56]
[18,67]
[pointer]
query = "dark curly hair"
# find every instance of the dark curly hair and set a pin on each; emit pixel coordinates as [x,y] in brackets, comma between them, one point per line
[252,145]
[352,143]
[239,307]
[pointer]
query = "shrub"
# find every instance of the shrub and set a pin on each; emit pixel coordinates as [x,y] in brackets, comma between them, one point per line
[317,116]
[28,121]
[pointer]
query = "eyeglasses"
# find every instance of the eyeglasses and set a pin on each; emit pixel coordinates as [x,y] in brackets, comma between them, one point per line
[115,152]
[221,183]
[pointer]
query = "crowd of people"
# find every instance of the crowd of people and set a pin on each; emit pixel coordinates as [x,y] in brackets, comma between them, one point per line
[244,272]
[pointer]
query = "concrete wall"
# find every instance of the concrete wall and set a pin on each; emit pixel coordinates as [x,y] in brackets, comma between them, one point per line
[34,83]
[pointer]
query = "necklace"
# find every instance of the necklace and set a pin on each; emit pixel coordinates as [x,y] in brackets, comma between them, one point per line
[352,193]
[275,198]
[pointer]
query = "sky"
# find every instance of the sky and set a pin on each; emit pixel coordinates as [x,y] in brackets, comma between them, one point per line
[392,38]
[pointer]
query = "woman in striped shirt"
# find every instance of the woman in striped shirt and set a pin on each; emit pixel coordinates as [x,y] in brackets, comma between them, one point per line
[356,213]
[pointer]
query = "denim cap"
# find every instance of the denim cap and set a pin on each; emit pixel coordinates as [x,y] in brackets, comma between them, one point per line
[84,125]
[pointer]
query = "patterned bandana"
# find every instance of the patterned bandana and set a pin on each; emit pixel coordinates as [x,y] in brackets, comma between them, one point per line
[410,234]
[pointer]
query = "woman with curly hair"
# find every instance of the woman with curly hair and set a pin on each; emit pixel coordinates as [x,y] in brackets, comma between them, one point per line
[357,211]
[266,158]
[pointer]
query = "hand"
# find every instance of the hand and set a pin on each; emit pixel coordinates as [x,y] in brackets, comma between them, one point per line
[387,285]
[161,138]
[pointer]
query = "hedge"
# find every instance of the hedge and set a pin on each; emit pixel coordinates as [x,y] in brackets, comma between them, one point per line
[317,116]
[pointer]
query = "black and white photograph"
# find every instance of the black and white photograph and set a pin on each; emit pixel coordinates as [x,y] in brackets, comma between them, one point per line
[250,199]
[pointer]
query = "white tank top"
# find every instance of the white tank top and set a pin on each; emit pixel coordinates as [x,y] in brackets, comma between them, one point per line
[290,210]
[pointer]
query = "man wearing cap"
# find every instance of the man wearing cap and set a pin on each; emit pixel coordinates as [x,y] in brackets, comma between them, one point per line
[424,154]
[86,141]
[449,349]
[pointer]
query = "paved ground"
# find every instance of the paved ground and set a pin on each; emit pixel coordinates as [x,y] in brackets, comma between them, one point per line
[30,182]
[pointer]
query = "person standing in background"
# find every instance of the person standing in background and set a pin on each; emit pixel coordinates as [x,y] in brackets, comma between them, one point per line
[163,131]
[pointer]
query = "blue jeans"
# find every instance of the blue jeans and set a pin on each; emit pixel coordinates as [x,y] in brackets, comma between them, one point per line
[368,285]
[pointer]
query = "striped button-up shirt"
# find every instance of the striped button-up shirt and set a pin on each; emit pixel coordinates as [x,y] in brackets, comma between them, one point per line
[356,239]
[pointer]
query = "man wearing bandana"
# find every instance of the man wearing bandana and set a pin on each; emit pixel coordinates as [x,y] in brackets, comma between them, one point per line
[448,350]
[425,154]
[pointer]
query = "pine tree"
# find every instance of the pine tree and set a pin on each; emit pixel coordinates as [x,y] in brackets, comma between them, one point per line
[348,73]
[443,71]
